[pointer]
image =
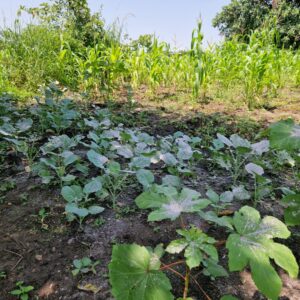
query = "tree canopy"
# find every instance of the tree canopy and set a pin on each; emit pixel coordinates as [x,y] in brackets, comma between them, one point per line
[241,17]
[72,15]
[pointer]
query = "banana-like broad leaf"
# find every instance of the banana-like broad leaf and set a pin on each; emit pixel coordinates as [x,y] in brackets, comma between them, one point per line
[252,244]
[134,274]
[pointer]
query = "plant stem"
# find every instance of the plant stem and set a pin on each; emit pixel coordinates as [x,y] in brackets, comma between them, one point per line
[172,264]
[182,223]
[255,192]
[175,272]
[186,283]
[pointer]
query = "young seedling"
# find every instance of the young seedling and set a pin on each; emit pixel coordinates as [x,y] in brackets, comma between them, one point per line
[198,250]
[84,265]
[79,199]
[261,183]
[114,181]
[27,148]
[220,202]
[99,222]
[238,152]
[42,215]
[59,160]
[3,275]
[22,291]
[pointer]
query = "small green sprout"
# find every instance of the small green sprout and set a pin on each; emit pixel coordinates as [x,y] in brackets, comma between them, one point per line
[3,275]
[22,291]
[84,265]
[42,215]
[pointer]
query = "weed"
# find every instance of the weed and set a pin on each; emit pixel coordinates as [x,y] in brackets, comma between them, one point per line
[22,291]
[84,265]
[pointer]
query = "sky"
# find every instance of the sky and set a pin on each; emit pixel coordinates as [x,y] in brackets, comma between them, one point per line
[171,20]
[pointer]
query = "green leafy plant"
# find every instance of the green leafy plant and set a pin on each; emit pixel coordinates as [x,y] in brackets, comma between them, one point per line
[84,265]
[261,184]
[60,162]
[21,126]
[54,114]
[168,203]
[143,269]
[135,273]
[238,153]
[78,198]
[27,148]
[42,215]
[3,275]
[221,202]
[198,250]
[22,291]
[292,212]
[285,135]
[252,244]
[114,180]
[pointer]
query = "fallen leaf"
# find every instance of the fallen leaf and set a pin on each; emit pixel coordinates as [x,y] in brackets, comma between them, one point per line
[89,288]
[47,289]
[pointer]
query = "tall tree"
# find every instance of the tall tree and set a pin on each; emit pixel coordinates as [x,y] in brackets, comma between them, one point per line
[240,17]
[73,15]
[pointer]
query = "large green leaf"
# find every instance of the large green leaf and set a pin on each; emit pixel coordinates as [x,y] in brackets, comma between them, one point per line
[24,124]
[134,274]
[72,193]
[285,135]
[97,159]
[93,186]
[292,212]
[169,203]
[145,177]
[253,245]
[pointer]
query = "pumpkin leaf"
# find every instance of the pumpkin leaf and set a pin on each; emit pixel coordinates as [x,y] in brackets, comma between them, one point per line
[252,244]
[134,274]
[285,135]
